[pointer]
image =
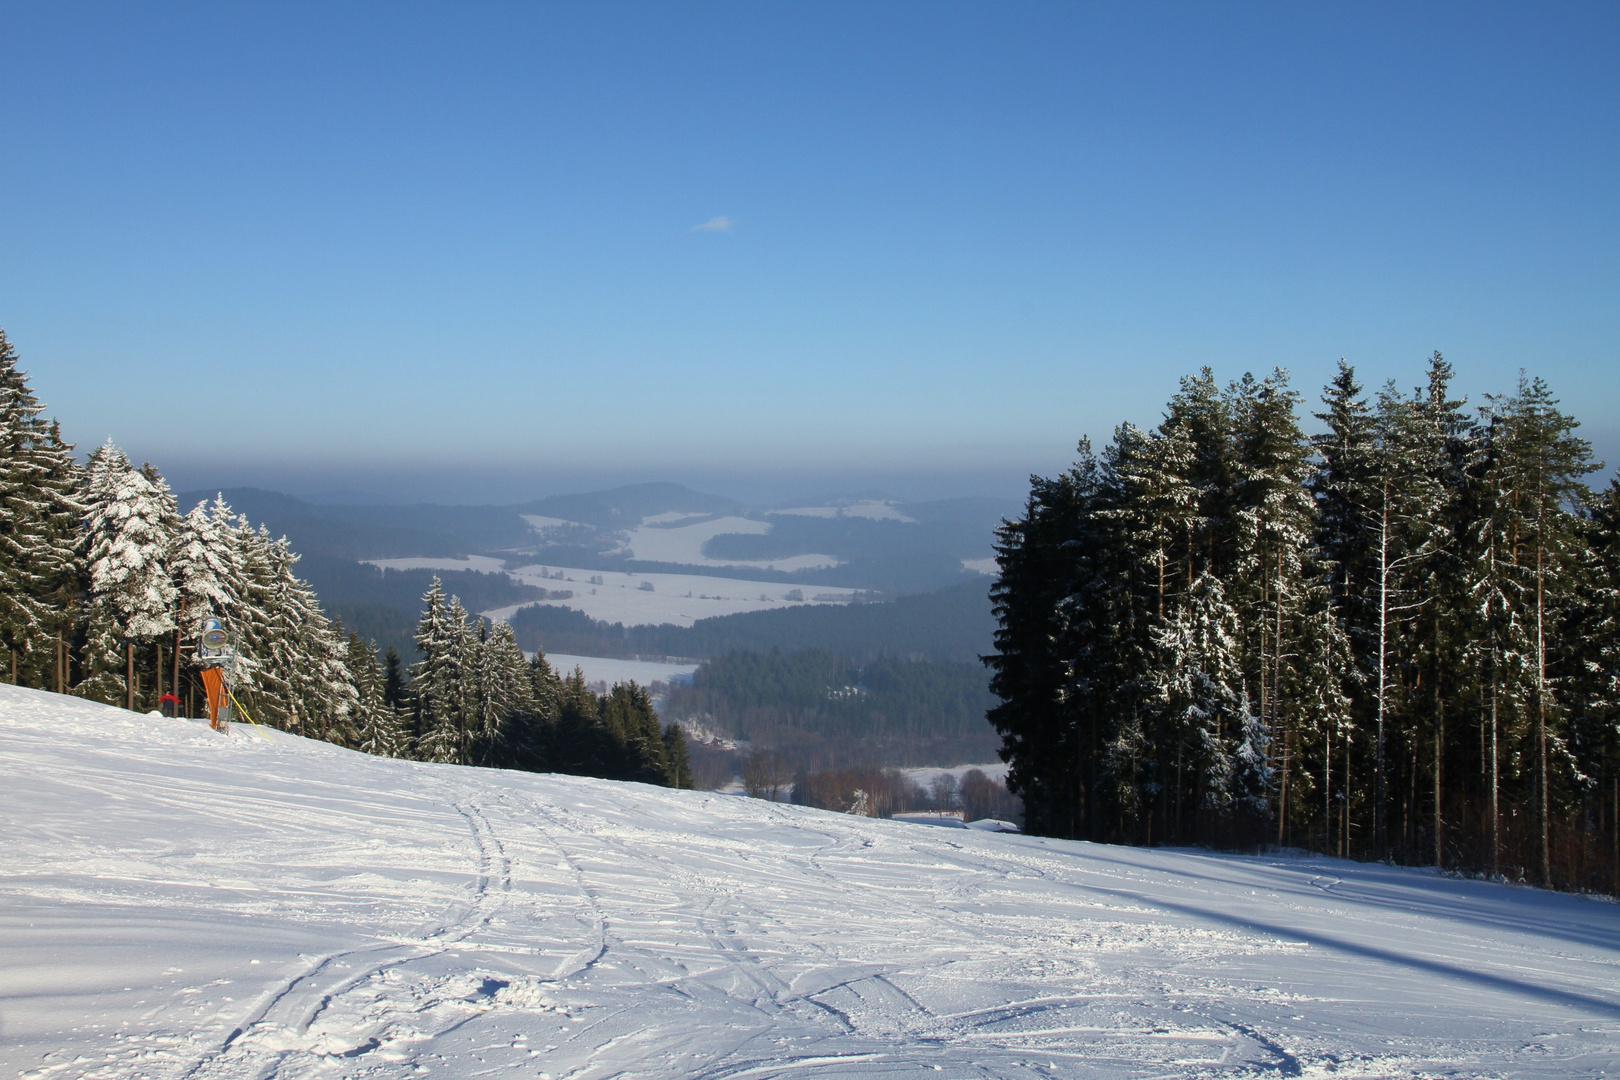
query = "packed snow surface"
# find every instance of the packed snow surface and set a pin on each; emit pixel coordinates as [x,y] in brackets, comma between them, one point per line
[179,903]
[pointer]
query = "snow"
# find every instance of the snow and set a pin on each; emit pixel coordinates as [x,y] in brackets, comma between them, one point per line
[926,775]
[177,903]
[981,566]
[868,508]
[660,542]
[608,670]
[482,563]
[540,523]
[681,599]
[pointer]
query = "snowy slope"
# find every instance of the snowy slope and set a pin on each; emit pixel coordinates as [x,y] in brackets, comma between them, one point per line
[176,903]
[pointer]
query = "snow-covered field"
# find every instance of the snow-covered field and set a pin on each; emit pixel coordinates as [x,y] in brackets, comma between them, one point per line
[682,599]
[598,669]
[615,596]
[484,564]
[873,509]
[925,775]
[656,541]
[177,903]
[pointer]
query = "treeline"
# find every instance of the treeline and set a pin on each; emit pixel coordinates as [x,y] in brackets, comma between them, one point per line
[873,791]
[1398,639]
[104,586]
[474,700]
[951,624]
[822,709]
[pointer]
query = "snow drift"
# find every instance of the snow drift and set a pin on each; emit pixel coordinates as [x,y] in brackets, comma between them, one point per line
[177,903]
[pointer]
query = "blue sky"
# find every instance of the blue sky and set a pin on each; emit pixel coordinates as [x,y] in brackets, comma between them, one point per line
[459,248]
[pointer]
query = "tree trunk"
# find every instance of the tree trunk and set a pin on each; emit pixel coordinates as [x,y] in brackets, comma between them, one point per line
[1327,791]
[129,676]
[1383,678]
[1439,739]
[1545,867]
[1496,787]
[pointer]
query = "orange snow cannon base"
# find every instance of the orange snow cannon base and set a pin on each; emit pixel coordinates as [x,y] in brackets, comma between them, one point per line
[213,680]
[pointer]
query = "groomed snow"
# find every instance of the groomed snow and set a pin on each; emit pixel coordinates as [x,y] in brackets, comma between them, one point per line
[178,903]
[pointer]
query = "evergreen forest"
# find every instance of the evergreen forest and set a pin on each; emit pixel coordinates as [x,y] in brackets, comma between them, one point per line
[1396,639]
[105,583]
[818,709]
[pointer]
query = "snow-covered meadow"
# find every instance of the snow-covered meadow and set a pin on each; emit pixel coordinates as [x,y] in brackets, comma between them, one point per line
[609,670]
[641,599]
[179,903]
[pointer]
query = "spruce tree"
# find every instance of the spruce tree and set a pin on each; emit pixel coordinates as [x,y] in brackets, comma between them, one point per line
[39,525]
[1273,571]
[1540,465]
[439,680]
[677,758]
[127,543]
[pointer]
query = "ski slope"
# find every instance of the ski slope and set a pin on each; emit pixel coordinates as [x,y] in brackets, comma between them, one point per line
[177,903]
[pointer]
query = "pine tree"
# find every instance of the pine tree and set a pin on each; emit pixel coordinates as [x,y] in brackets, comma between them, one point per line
[502,694]
[1540,463]
[1049,740]
[677,758]
[39,524]
[206,565]
[1274,518]
[127,543]
[1591,656]
[380,728]
[439,679]
[1200,688]
[395,691]
[635,742]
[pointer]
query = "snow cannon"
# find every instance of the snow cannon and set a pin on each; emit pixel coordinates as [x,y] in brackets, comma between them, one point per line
[217,659]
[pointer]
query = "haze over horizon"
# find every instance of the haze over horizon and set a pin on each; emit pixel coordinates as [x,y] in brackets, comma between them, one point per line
[440,254]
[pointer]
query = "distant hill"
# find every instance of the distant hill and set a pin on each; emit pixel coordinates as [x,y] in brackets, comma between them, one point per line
[356,532]
[911,554]
[624,507]
[949,625]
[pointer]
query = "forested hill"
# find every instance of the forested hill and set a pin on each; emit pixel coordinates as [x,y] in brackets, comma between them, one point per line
[820,710]
[951,625]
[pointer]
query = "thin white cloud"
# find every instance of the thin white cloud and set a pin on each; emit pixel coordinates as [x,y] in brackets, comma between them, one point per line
[715,224]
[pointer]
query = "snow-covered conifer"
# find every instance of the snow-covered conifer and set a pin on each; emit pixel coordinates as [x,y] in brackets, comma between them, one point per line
[1199,684]
[39,531]
[127,541]
[439,679]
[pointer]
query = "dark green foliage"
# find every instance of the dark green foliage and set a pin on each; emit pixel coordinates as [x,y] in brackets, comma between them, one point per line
[952,624]
[1395,639]
[677,758]
[823,708]
[477,701]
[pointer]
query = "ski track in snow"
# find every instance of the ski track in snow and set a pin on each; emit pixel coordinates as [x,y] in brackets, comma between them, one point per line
[180,904]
